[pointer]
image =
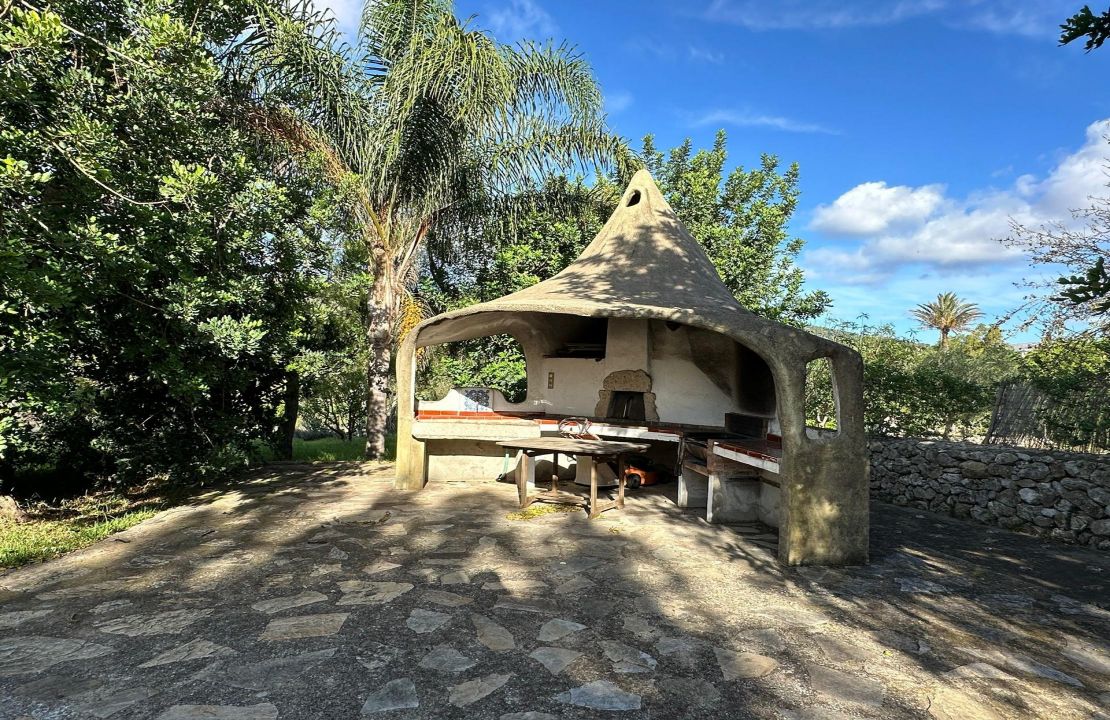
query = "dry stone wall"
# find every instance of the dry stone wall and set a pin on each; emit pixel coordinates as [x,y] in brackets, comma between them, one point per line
[1058,495]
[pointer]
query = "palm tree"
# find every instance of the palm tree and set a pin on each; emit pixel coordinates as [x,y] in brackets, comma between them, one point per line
[429,124]
[947,314]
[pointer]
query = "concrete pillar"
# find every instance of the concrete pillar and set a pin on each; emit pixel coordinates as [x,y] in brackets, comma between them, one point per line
[411,455]
[693,489]
[824,481]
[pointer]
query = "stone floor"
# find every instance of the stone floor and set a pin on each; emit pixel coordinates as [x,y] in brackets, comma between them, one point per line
[319,592]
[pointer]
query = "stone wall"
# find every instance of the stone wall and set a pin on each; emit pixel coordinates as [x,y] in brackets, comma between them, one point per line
[1058,495]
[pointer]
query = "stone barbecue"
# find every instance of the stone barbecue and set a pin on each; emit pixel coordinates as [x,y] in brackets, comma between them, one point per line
[641,336]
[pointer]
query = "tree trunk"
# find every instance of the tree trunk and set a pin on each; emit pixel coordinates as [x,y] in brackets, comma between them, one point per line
[379,334]
[352,418]
[943,337]
[289,419]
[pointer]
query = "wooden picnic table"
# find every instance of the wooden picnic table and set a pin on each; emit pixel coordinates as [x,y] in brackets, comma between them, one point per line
[589,450]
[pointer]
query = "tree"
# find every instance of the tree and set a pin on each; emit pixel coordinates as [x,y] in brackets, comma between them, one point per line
[438,125]
[742,222]
[1074,372]
[1096,28]
[947,314]
[911,389]
[1079,300]
[157,258]
[1090,289]
[518,250]
[334,372]
[1085,294]
[1074,375]
[954,388]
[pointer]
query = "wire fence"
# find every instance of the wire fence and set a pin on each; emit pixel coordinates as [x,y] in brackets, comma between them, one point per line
[1026,416]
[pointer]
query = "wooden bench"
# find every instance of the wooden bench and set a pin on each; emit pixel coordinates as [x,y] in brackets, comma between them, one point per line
[730,479]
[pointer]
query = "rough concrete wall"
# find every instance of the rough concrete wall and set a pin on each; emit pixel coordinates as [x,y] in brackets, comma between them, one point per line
[410,451]
[1058,495]
[627,346]
[466,460]
[684,394]
[577,381]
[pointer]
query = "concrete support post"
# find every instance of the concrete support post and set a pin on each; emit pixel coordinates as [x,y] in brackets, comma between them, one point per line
[693,489]
[824,503]
[734,491]
[411,456]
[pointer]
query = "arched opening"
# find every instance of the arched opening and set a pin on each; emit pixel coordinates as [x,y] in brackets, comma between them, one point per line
[633,199]
[496,362]
[821,401]
[755,394]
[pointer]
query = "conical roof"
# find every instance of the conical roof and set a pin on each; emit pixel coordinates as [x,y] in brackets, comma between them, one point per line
[643,263]
[643,257]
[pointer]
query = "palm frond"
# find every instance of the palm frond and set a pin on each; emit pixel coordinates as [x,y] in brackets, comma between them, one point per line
[441,125]
[294,54]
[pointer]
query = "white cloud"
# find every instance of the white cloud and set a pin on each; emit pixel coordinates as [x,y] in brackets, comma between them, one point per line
[816,14]
[1036,19]
[1079,175]
[646,46]
[745,118]
[874,207]
[660,50]
[617,102]
[702,54]
[521,19]
[903,226]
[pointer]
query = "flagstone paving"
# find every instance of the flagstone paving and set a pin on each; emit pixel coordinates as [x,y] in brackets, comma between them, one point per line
[320,592]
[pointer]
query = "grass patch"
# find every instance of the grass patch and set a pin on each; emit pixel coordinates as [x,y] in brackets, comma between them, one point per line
[328,449]
[27,542]
[49,531]
[331,449]
[535,510]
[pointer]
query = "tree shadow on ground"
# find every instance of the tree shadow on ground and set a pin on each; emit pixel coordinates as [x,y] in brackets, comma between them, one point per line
[874,641]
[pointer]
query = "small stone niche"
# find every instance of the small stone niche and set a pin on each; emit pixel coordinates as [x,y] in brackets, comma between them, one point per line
[626,395]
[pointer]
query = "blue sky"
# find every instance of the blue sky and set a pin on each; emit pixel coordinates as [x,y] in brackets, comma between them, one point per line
[922,127]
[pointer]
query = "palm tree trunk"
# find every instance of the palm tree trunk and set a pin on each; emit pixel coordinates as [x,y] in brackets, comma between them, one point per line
[943,338]
[379,335]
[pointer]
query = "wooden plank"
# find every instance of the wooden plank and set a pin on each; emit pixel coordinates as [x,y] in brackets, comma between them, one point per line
[696,467]
[559,496]
[524,471]
[594,511]
[575,446]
